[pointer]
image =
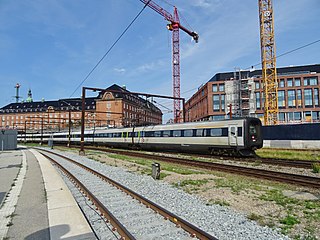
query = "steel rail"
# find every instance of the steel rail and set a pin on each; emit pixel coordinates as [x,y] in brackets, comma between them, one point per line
[180,222]
[307,164]
[123,232]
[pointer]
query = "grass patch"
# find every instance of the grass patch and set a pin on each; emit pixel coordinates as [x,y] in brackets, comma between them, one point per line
[234,184]
[289,220]
[220,202]
[191,182]
[316,167]
[163,175]
[278,197]
[179,170]
[288,154]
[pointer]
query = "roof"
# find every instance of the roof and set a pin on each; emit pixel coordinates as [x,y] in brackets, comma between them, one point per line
[76,103]
[305,69]
[42,106]
[123,93]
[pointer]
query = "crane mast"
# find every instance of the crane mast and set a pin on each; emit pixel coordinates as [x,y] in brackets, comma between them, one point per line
[174,26]
[268,57]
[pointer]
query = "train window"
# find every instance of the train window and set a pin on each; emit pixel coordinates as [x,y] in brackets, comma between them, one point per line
[215,132]
[142,134]
[233,131]
[166,133]
[188,133]
[133,134]
[176,133]
[199,133]
[239,131]
[117,135]
[157,133]
[252,129]
[149,134]
[124,134]
[224,132]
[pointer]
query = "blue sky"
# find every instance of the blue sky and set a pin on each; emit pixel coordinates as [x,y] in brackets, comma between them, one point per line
[51,45]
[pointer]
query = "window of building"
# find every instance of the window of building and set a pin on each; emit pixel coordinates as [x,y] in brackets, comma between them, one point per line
[291,98]
[307,116]
[281,99]
[289,82]
[214,88]
[216,103]
[290,116]
[222,102]
[258,104]
[315,115]
[316,97]
[297,116]
[299,98]
[297,82]
[257,84]
[308,97]
[281,83]
[312,81]
[218,117]
[221,87]
[281,117]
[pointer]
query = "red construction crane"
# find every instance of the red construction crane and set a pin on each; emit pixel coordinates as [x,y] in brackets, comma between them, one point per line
[174,26]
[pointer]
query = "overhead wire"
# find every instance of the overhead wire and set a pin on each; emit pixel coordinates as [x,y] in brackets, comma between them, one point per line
[121,35]
[288,52]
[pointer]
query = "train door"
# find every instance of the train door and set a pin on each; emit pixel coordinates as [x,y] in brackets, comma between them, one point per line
[232,135]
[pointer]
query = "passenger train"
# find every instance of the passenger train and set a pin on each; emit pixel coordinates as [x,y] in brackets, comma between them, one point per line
[234,136]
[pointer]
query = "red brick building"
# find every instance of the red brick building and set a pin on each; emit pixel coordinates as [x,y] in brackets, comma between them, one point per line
[241,93]
[114,109]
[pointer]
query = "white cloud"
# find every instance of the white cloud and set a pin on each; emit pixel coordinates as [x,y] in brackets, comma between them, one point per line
[119,70]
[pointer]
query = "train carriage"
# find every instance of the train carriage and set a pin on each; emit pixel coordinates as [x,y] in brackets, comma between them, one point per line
[237,136]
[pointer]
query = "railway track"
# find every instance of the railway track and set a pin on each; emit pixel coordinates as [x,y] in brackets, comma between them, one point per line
[301,180]
[111,199]
[279,162]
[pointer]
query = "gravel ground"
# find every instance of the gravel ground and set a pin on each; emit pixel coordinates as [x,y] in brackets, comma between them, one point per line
[299,171]
[220,221]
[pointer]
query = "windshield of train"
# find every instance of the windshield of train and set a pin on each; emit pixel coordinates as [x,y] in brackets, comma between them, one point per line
[253,132]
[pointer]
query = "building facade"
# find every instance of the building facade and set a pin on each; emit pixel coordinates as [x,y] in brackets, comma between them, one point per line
[240,94]
[116,107]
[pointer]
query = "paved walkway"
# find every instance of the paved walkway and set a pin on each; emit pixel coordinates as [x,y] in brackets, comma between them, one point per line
[39,204]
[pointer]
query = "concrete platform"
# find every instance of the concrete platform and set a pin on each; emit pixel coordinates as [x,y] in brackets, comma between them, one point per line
[39,204]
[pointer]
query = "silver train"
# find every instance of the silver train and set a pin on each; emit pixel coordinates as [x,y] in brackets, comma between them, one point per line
[235,136]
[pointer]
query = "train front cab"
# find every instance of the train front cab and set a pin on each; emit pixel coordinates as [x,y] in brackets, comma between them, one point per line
[252,135]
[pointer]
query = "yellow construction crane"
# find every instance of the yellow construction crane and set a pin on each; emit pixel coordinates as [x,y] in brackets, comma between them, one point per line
[268,57]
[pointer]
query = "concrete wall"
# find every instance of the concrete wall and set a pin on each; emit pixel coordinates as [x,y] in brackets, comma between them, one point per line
[8,139]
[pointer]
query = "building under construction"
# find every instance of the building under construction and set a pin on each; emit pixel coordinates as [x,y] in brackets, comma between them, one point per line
[240,94]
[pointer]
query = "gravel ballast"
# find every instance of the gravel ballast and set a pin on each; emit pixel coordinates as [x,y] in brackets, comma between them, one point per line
[217,220]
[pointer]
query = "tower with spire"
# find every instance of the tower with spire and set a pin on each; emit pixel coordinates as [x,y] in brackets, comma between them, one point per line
[29,98]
